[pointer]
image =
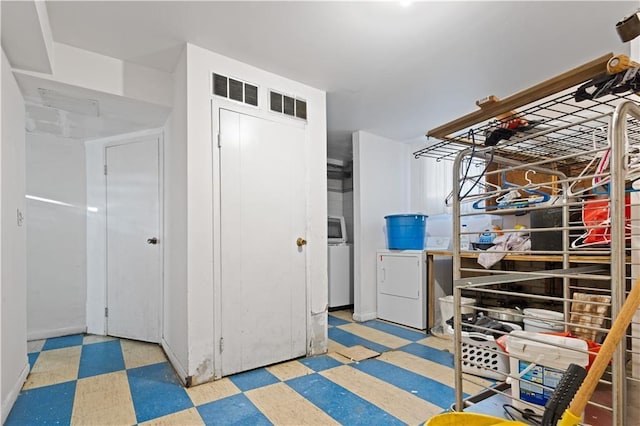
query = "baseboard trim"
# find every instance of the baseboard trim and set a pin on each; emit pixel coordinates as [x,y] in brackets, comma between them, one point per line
[57,332]
[365,317]
[11,398]
[173,359]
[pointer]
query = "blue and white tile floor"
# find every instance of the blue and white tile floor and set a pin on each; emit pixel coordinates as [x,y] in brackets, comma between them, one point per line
[96,380]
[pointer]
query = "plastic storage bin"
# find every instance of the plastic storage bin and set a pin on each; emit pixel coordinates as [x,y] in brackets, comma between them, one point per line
[446,307]
[542,320]
[439,232]
[406,231]
[551,358]
[481,356]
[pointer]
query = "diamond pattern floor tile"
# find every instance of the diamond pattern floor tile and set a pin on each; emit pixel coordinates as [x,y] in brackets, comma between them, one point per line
[233,410]
[53,367]
[63,342]
[44,405]
[89,379]
[156,391]
[103,399]
[101,358]
[253,379]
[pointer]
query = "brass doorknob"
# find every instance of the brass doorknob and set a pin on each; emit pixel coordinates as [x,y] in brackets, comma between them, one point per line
[301,242]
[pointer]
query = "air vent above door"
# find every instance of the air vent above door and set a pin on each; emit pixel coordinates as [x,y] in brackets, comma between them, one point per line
[235,90]
[287,105]
[301,109]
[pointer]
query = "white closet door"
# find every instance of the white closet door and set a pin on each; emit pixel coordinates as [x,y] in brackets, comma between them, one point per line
[134,286]
[263,213]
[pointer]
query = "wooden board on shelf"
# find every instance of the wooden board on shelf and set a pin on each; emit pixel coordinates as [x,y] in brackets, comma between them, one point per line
[548,87]
[596,259]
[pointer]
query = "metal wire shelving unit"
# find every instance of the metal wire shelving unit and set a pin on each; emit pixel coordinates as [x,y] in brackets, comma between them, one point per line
[568,144]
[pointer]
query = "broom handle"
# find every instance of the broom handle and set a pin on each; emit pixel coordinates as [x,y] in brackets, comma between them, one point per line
[617,332]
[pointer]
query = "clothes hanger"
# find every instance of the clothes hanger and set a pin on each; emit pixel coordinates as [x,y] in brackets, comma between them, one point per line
[536,197]
[530,184]
[601,177]
[482,183]
[493,191]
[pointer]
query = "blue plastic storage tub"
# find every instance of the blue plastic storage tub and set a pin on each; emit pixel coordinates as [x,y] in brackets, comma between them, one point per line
[406,231]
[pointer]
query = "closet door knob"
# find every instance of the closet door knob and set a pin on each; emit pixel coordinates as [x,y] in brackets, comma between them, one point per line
[301,242]
[153,240]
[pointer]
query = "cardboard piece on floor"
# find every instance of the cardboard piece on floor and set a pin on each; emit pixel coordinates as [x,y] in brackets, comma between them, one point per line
[357,353]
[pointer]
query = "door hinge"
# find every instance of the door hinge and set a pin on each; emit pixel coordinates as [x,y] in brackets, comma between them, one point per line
[105,169]
[221,344]
[106,312]
[219,145]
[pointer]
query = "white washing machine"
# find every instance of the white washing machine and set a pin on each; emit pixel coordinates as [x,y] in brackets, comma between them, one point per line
[340,275]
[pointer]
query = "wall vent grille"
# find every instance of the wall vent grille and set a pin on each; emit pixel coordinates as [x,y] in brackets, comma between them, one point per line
[220,85]
[251,94]
[276,101]
[301,109]
[287,105]
[235,90]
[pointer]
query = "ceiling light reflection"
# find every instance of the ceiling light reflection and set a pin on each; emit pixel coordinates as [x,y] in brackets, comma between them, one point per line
[48,200]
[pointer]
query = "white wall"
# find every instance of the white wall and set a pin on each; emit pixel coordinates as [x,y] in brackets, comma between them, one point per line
[381,186]
[56,236]
[340,200]
[202,213]
[175,338]
[27,39]
[388,180]
[95,245]
[13,309]
[431,182]
[3,409]
[199,214]
[335,197]
[347,206]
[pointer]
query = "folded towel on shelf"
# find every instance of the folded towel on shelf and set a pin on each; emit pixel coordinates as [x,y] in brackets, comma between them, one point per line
[517,241]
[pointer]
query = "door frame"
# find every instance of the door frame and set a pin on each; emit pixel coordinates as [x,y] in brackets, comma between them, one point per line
[97,227]
[217,105]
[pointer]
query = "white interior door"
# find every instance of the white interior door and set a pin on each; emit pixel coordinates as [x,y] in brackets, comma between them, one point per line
[133,251]
[263,213]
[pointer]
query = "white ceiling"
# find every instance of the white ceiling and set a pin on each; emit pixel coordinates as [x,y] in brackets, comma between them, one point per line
[392,70]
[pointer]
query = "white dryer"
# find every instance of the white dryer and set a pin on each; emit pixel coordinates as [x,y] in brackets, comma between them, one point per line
[402,287]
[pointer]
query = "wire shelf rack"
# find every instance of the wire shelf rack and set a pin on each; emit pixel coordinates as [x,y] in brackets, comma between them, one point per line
[558,126]
[587,154]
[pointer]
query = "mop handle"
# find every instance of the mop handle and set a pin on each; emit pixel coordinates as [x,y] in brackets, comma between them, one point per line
[617,332]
